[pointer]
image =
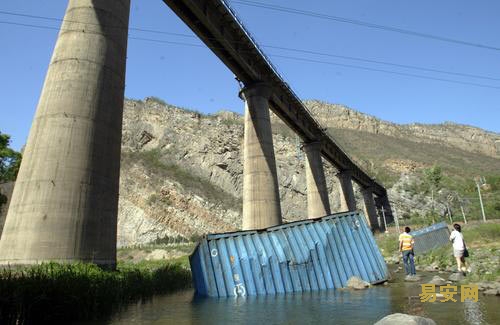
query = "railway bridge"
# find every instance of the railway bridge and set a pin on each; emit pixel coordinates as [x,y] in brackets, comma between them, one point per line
[65,202]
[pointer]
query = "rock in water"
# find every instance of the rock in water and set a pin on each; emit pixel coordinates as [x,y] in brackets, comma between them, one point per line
[456,277]
[437,280]
[492,292]
[357,283]
[398,319]
[412,278]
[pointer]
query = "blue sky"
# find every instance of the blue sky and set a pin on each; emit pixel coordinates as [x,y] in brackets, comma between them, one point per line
[193,77]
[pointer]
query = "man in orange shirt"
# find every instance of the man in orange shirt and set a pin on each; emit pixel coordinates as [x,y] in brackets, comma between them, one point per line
[406,243]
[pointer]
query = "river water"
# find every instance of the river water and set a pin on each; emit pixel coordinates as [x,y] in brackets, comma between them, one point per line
[332,307]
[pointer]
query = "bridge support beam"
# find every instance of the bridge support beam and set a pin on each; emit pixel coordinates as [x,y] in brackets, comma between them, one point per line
[317,193]
[370,209]
[347,199]
[65,202]
[261,203]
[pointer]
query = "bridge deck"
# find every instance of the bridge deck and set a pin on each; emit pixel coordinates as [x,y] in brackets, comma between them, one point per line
[217,26]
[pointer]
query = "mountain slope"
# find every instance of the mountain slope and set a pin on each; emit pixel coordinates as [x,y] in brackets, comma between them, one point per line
[181,171]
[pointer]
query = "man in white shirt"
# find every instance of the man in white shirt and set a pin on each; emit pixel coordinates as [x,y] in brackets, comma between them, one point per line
[457,239]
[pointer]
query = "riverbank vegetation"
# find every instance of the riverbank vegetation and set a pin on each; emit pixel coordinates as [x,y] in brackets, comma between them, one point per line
[483,242]
[54,292]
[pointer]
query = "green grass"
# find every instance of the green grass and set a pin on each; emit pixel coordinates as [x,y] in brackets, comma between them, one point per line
[483,244]
[376,148]
[482,233]
[442,256]
[388,244]
[55,292]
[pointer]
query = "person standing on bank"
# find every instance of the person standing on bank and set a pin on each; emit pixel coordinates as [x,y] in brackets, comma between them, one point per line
[459,248]
[406,243]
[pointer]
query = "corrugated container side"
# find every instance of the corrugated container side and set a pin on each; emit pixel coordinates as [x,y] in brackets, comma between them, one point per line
[431,237]
[301,256]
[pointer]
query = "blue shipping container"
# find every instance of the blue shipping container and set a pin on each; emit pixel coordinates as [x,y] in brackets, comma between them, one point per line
[300,256]
[431,237]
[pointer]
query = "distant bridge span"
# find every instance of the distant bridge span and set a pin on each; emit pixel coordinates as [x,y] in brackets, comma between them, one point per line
[64,206]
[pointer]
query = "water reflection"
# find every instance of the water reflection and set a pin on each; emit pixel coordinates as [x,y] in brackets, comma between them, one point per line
[339,307]
[473,313]
[307,308]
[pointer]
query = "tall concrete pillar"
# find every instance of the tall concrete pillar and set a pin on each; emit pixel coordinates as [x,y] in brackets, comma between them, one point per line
[347,199]
[369,208]
[261,203]
[317,194]
[65,202]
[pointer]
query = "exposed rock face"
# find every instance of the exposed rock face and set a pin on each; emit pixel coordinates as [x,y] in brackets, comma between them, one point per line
[181,171]
[168,150]
[189,147]
[464,137]
[409,203]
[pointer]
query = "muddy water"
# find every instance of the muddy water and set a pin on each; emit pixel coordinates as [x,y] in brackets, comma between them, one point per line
[339,307]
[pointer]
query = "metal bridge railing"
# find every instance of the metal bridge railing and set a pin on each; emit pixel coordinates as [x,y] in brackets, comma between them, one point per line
[288,88]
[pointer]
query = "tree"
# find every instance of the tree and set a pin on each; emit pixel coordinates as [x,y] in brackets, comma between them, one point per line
[433,176]
[10,160]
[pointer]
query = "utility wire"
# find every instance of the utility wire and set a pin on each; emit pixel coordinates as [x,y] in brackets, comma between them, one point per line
[381,62]
[361,23]
[286,57]
[78,22]
[413,67]
[382,70]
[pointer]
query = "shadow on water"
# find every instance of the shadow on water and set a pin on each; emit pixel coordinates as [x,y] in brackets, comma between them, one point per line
[339,307]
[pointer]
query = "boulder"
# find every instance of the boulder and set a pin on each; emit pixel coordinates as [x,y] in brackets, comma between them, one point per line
[412,278]
[438,281]
[434,267]
[397,319]
[456,277]
[492,292]
[357,283]
[482,286]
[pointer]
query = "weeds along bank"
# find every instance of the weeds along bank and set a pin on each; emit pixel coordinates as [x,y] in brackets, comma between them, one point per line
[52,292]
[483,243]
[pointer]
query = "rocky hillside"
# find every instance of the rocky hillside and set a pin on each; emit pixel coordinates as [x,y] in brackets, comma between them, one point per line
[181,174]
[463,137]
[182,170]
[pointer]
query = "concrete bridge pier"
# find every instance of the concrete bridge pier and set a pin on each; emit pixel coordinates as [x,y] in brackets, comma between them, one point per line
[261,202]
[370,209]
[317,193]
[347,198]
[65,202]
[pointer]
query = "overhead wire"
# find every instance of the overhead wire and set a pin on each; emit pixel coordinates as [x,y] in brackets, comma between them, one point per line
[362,23]
[285,57]
[367,60]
